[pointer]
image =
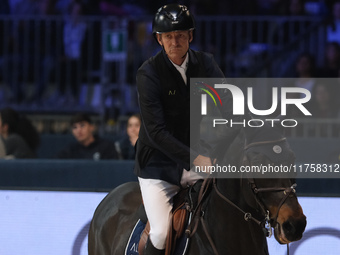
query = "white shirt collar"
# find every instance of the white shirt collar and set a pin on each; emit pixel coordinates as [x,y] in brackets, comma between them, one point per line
[183,67]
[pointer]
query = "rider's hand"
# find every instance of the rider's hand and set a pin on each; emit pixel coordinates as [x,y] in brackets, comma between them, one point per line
[203,163]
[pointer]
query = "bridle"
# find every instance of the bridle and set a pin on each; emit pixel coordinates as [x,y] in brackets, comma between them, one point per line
[287,191]
[264,223]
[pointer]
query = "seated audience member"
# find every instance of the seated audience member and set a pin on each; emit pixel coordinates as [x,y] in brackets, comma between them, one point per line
[324,105]
[332,61]
[19,136]
[324,102]
[305,74]
[305,69]
[126,146]
[87,146]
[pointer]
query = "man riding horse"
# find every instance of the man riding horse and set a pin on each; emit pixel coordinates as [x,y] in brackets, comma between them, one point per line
[164,160]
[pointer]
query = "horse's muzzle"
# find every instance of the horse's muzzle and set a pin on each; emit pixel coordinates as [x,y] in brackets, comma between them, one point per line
[291,230]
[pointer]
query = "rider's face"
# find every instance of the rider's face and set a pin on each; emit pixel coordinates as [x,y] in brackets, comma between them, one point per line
[176,44]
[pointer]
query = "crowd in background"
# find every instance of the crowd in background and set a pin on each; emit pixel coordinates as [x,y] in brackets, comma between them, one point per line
[74,35]
[68,45]
[198,7]
[19,139]
[324,91]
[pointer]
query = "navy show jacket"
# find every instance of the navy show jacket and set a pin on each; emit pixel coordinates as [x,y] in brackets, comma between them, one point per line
[163,147]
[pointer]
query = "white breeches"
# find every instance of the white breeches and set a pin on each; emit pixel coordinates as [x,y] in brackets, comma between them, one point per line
[157,197]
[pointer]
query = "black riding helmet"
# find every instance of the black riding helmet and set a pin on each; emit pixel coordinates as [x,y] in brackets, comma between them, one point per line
[172,17]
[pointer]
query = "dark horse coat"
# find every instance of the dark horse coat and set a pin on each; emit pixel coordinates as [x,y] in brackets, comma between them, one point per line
[230,233]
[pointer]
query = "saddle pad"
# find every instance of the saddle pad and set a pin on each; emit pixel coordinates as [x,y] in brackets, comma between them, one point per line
[132,245]
[181,245]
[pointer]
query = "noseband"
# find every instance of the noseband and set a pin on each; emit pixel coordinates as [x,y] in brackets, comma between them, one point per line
[265,212]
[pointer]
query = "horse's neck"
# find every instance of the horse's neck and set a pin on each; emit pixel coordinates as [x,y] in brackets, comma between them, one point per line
[225,221]
[237,191]
[231,189]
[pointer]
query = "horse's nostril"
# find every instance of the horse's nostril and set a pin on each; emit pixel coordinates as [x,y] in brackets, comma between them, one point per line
[288,227]
[293,229]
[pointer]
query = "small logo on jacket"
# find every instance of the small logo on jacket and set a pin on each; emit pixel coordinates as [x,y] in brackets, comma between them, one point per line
[172,93]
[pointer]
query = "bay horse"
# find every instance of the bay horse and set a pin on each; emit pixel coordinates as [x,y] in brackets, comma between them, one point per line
[234,215]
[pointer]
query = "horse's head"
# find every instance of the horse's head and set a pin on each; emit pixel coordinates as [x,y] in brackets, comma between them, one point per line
[268,147]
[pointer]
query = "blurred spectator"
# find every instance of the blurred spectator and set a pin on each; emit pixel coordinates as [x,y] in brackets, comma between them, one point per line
[305,77]
[19,136]
[88,145]
[324,105]
[332,60]
[126,146]
[73,59]
[305,69]
[324,99]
